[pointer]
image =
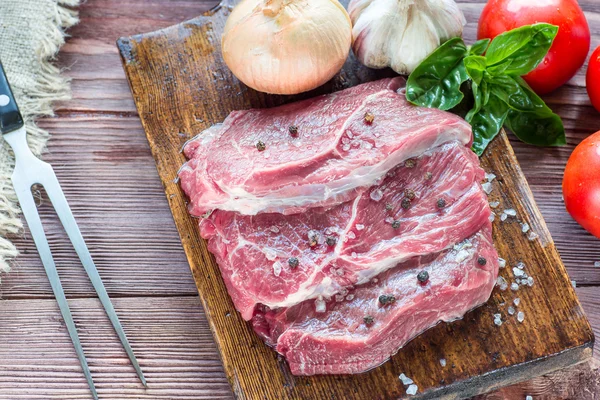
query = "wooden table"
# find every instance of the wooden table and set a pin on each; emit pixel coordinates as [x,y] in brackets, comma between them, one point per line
[100,154]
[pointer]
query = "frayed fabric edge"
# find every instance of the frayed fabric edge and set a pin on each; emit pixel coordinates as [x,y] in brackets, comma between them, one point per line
[50,86]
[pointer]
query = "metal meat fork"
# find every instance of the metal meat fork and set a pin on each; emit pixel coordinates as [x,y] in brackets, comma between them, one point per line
[30,170]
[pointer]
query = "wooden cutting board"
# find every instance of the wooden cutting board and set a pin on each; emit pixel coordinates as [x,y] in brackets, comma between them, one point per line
[181,86]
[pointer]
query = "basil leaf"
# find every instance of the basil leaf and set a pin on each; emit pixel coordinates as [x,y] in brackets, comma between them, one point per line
[487,123]
[479,47]
[524,47]
[518,95]
[436,81]
[499,69]
[475,66]
[481,95]
[537,130]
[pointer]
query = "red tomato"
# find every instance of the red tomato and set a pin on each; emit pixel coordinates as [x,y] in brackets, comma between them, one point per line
[593,79]
[570,47]
[581,184]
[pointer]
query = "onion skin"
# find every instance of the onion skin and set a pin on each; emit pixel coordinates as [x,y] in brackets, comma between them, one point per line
[286,46]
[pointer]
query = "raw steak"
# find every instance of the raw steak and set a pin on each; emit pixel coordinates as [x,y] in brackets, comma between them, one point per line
[340,341]
[336,151]
[424,206]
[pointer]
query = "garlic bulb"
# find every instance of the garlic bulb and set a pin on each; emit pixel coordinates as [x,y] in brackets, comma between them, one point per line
[286,46]
[402,33]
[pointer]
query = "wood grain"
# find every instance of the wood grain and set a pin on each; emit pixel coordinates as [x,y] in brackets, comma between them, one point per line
[101,105]
[169,336]
[117,200]
[176,73]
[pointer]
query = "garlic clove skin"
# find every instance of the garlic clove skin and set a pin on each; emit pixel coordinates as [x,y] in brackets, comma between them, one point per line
[286,46]
[402,33]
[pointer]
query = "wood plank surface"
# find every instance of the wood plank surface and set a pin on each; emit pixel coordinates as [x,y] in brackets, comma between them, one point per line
[170,338]
[176,73]
[102,105]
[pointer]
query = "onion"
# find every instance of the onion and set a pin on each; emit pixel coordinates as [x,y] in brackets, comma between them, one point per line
[286,46]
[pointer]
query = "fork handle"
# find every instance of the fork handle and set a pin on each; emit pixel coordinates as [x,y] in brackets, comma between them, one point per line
[10,116]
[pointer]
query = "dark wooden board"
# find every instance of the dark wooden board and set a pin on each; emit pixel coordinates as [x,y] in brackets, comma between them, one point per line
[181,86]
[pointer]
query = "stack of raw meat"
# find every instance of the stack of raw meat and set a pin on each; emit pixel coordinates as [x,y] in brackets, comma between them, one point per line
[344,225]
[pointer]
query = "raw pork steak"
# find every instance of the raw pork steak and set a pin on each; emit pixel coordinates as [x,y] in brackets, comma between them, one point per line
[424,206]
[317,152]
[339,340]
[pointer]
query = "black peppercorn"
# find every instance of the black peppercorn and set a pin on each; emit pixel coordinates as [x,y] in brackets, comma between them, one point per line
[405,203]
[313,238]
[396,224]
[260,146]
[481,261]
[368,320]
[387,299]
[423,276]
[331,241]
[293,262]
[441,203]
[389,207]
[293,130]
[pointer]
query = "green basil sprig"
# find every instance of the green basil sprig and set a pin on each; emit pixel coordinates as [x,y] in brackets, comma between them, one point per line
[493,70]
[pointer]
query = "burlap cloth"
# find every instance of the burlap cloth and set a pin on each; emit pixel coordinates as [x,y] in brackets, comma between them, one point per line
[31,33]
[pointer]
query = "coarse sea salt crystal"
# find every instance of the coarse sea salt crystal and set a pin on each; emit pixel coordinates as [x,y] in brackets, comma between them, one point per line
[351,235]
[412,390]
[487,187]
[360,227]
[277,268]
[350,297]
[597,264]
[443,362]
[501,262]
[405,380]
[376,195]
[490,177]
[465,244]
[270,253]
[514,287]
[520,316]
[517,301]
[354,255]
[518,272]
[494,204]
[320,305]
[492,217]
[501,283]
[511,212]
[525,227]
[274,229]
[574,284]
[497,319]
[528,398]
[520,265]
[511,310]
[503,216]
[389,220]
[532,236]
[530,281]
[461,256]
